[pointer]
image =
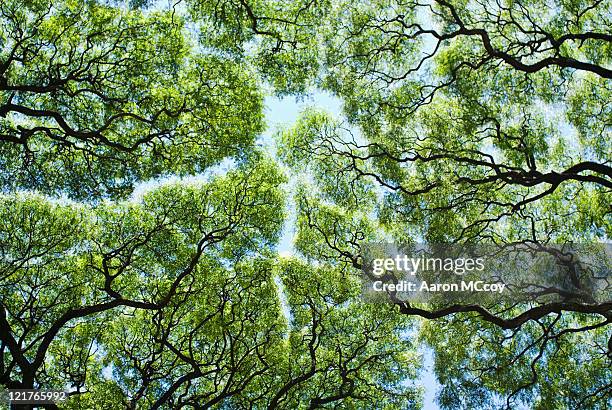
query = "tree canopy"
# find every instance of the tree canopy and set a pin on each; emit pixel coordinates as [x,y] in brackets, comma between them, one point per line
[463,122]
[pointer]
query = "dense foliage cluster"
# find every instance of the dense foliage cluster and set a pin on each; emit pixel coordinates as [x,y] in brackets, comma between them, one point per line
[464,121]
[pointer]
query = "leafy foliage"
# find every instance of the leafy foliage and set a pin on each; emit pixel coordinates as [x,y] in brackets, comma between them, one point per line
[463,121]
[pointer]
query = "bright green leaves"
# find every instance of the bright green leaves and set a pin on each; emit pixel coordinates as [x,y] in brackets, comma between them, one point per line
[175,299]
[184,230]
[460,136]
[97,99]
[41,246]
[334,203]
[34,229]
[345,347]
[590,113]
[223,331]
[320,147]
[62,262]
[542,365]
[466,121]
[279,37]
